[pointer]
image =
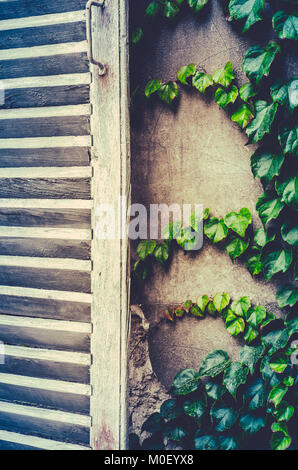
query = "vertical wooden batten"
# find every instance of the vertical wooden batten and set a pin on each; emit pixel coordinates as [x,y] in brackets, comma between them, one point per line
[110,163]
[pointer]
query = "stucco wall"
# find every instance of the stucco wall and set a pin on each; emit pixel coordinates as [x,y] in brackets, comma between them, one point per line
[193,154]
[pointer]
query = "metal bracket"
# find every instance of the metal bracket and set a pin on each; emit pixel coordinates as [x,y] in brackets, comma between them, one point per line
[98,3]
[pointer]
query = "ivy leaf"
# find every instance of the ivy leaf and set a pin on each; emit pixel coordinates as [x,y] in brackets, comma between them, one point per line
[185,382]
[137,35]
[277,393]
[206,442]
[152,9]
[196,311]
[202,302]
[287,295]
[278,362]
[250,334]
[228,443]
[201,81]
[261,124]
[248,10]
[254,265]
[214,363]
[250,355]
[242,116]
[286,26]
[267,373]
[224,76]
[258,60]
[152,87]
[283,411]
[285,94]
[223,416]
[240,307]
[234,376]
[236,247]
[291,323]
[187,239]
[275,340]
[289,233]
[185,72]
[223,97]
[256,395]
[153,424]
[215,229]
[256,315]
[238,222]
[221,301]
[280,441]
[215,390]
[234,324]
[171,231]
[140,270]
[171,9]
[262,237]
[268,207]
[145,248]
[161,253]
[170,409]
[168,313]
[266,165]
[270,317]
[211,308]
[246,92]
[288,191]
[173,432]
[195,408]
[168,92]
[288,139]
[275,260]
[197,5]
[252,423]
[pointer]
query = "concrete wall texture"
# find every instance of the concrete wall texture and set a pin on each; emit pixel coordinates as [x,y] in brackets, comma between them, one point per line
[193,154]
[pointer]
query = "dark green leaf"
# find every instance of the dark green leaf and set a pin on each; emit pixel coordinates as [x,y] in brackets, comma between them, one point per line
[254,265]
[224,76]
[214,363]
[223,416]
[215,229]
[161,253]
[185,72]
[228,443]
[197,5]
[153,424]
[243,115]
[258,60]
[275,340]
[251,422]
[246,92]
[145,248]
[248,10]
[168,92]
[286,26]
[174,432]
[289,233]
[275,260]
[137,35]
[250,334]
[279,362]
[205,442]
[288,139]
[288,191]
[152,87]
[215,390]
[267,373]
[268,207]
[152,9]
[185,382]
[196,311]
[170,409]
[240,307]
[279,441]
[291,321]
[201,81]
[277,393]
[256,395]
[285,94]
[262,123]
[250,355]
[256,315]
[234,324]
[196,408]
[238,222]
[211,308]
[236,247]
[265,165]
[170,9]
[283,411]
[223,97]
[262,237]
[234,376]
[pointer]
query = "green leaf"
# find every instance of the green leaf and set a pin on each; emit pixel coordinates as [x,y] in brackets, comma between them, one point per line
[196,311]
[202,302]
[262,237]
[287,295]
[288,139]
[215,229]
[224,76]
[284,411]
[243,115]
[279,441]
[256,315]
[196,408]
[234,376]
[168,92]
[250,355]
[185,382]
[268,207]
[236,247]
[171,9]
[289,233]
[238,222]
[185,72]
[174,432]
[228,443]
[161,253]
[206,442]
[168,313]
[275,340]
[256,395]
[152,87]
[254,265]
[234,324]
[285,94]
[250,334]
[275,260]
[265,165]
[153,424]
[270,317]
[267,373]
[137,35]
[248,10]
[223,97]
[288,191]
[277,393]
[223,416]
[214,363]
[171,231]
[201,81]
[187,238]
[252,423]
[197,5]
[261,124]
[291,322]
[215,390]
[289,381]
[258,60]
[286,26]
[170,409]
[221,301]
[179,312]
[240,307]
[152,9]
[246,92]
[145,248]
[279,362]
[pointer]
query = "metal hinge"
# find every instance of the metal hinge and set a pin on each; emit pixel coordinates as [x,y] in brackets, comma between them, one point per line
[98,3]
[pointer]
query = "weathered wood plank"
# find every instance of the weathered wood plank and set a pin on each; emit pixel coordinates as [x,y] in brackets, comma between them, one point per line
[64,280]
[71,156]
[50,111]
[43,20]
[75,249]
[44,308]
[45,127]
[46,96]
[47,50]
[8,445]
[15,441]
[53,34]
[76,218]
[46,232]
[23,8]
[46,263]
[41,66]
[45,188]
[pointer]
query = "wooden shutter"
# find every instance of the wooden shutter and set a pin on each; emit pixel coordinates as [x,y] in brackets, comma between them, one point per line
[57,163]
